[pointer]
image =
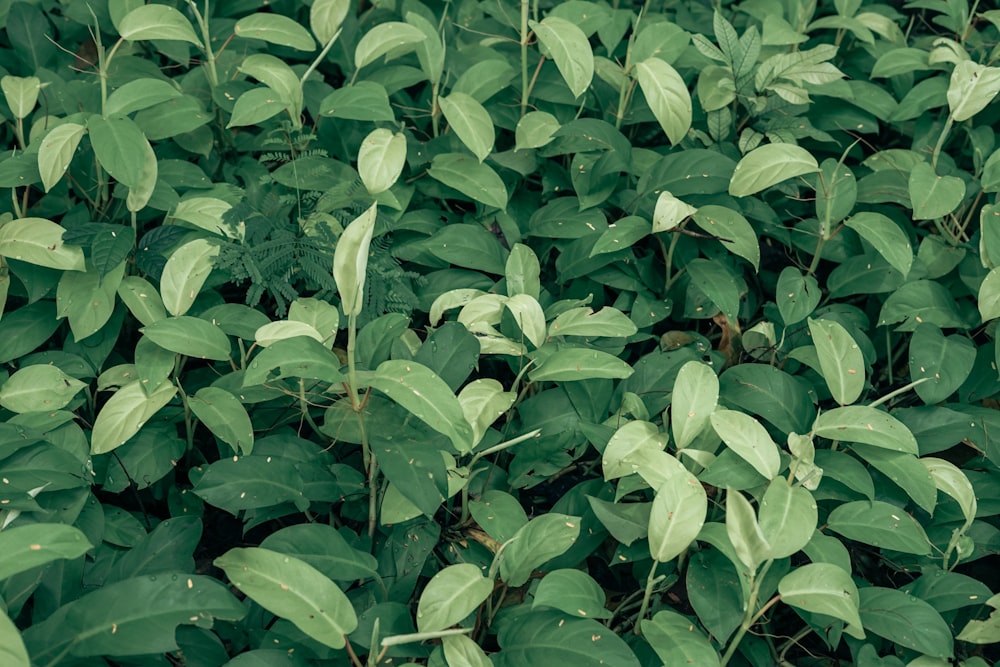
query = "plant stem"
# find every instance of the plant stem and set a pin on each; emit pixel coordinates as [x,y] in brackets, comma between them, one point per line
[206,37]
[524,58]
[893,394]
[651,581]
[749,615]
[940,142]
[322,54]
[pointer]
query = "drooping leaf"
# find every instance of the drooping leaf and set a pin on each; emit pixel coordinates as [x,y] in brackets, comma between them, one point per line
[769,165]
[568,46]
[57,150]
[389,37]
[224,415]
[880,524]
[125,413]
[732,229]
[745,534]
[748,438]
[667,96]
[840,359]
[26,546]
[470,121]
[538,541]
[276,29]
[292,589]
[190,336]
[185,273]
[885,236]
[326,17]
[120,145]
[157,22]
[577,363]
[859,423]
[676,638]
[451,595]
[350,260]
[695,397]
[787,517]
[39,241]
[474,180]
[823,588]
[972,87]
[676,516]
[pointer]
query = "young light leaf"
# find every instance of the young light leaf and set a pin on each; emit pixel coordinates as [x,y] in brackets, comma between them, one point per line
[667,96]
[381,159]
[949,479]
[933,196]
[426,397]
[573,592]
[224,416]
[156,21]
[294,590]
[787,517]
[823,588]
[541,539]
[568,46]
[142,299]
[860,423]
[971,88]
[21,94]
[119,145]
[474,180]
[534,130]
[769,165]
[451,595]
[670,212]
[185,273]
[125,413]
[522,271]
[733,231]
[694,399]
[56,152]
[326,17]
[483,401]
[797,295]
[39,241]
[391,37]
[886,237]
[30,545]
[577,363]
[677,640]
[529,316]
[140,193]
[38,387]
[677,515]
[276,29]
[460,651]
[257,105]
[748,438]
[350,261]
[585,322]
[12,650]
[840,359]
[470,121]
[751,547]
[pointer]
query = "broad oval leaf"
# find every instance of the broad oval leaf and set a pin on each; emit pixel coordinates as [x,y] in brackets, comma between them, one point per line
[365,100]
[749,542]
[139,94]
[860,423]
[944,361]
[823,588]
[156,21]
[732,230]
[972,87]
[296,356]
[540,540]
[120,146]
[251,482]
[677,640]
[585,322]
[578,363]
[39,241]
[573,592]
[37,388]
[294,590]
[460,651]
[350,260]
[549,637]
[125,413]
[257,105]
[787,517]
[483,401]
[473,179]
[905,620]
[933,196]
[451,595]
[190,336]
[695,397]
[949,479]
[667,96]
[276,29]
[879,524]
[620,454]
[185,273]
[677,515]
[797,295]
[886,237]
[57,150]
[391,37]
[26,546]
[427,397]
[323,547]
[535,129]
[12,650]
[569,48]
[205,213]
[326,17]
[840,359]
[470,121]
[224,416]
[769,165]
[748,438]
[273,332]
[381,159]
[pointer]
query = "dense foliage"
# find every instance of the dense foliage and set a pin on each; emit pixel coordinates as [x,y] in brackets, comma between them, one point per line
[499,333]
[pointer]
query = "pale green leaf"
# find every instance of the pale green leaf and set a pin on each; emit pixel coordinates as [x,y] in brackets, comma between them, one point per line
[568,46]
[769,165]
[667,96]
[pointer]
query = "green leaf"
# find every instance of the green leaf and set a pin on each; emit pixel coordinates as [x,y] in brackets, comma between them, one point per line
[37,388]
[274,332]
[257,105]
[185,273]
[326,17]
[880,524]
[949,479]
[350,260]
[568,46]
[365,100]
[622,234]
[924,301]
[732,230]
[324,548]
[859,423]
[485,79]
[294,590]
[276,29]
[797,295]
[205,213]
[12,650]
[499,514]
[548,637]
[391,37]
[573,592]
[426,397]
[470,121]
[451,595]
[535,129]
[905,620]
[744,532]
[120,145]
[787,517]
[717,283]
[986,631]
[87,300]
[190,336]
[26,546]
[125,413]
[224,416]
[840,359]
[157,22]
[989,290]
[540,540]
[769,165]
[21,94]
[676,639]
[139,94]
[669,212]
[823,588]
[276,74]
[39,241]
[971,89]
[676,516]
[748,438]
[933,196]
[667,96]
[468,246]
[483,401]
[56,152]
[118,619]
[695,397]
[142,299]
[886,237]
[577,363]
[905,470]
[474,180]
[381,159]
[417,470]
[619,456]
[585,322]
[251,482]
[945,362]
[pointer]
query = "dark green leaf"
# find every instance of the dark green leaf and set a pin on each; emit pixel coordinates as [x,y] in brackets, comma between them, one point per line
[879,524]
[906,620]
[541,638]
